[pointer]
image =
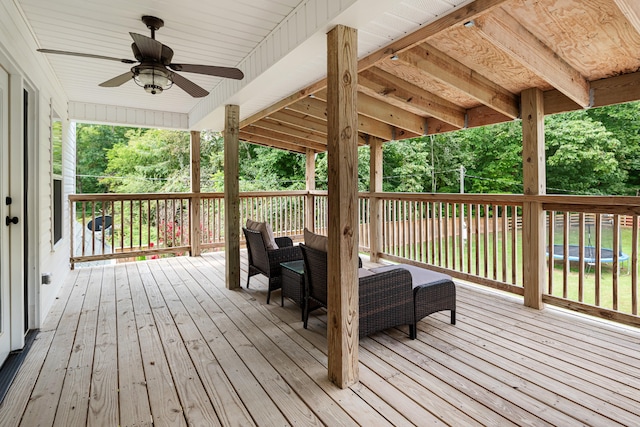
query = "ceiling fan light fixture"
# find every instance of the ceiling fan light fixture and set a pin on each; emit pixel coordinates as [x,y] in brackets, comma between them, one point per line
[153,78]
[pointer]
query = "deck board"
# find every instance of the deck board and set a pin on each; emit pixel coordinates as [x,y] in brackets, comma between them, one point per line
[162,342]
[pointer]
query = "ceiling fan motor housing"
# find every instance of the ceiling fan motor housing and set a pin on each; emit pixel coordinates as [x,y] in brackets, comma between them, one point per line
[154,78]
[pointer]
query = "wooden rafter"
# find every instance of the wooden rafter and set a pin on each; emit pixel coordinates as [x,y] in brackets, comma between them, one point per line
[432,63]
[318,108]
[283,137]
[301,121]
[285,129]
[403,94]
[457,16]
[506,33]
[631,9]
[268,142]
[386,113]
[468,68]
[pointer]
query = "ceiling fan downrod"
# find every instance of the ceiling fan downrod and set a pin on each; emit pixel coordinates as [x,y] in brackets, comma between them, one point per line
[152,24]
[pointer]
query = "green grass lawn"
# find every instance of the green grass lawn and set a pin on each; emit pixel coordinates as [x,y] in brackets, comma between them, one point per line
[558,286]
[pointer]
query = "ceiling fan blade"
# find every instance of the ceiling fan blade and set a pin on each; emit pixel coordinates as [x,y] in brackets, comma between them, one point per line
[118,80]
[188,86]
[210,70]
[149,48]
[86,55]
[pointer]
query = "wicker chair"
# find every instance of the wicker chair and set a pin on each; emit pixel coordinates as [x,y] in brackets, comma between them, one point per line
[385,299]
[267,261]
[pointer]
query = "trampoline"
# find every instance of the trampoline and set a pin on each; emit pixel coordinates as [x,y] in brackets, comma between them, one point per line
[606,254]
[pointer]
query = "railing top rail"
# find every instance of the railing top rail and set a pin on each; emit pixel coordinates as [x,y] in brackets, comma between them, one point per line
[506,199]
[587,200]
[128,196]
[163,196]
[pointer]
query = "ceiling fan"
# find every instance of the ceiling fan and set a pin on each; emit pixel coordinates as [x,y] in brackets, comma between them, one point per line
[154,70]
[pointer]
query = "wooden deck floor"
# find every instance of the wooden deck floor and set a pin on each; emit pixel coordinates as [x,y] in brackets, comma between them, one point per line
[163,342]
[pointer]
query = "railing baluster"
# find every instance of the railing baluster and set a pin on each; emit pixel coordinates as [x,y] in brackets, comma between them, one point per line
[551,221]
[495,210]
[565,242]
[616,258]
[477,239]
[598,266]
[514,244]
[581,261]
[446,233]
[469,235]
[635,224]
[485,239]
[504,234]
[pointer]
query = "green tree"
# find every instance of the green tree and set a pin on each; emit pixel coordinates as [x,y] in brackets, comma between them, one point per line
[581,156]
[322,171]
[264,168]
[92,144]
[149,162]
[623,121]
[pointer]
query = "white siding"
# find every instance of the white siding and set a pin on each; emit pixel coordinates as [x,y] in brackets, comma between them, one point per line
[19,57]
[126,116]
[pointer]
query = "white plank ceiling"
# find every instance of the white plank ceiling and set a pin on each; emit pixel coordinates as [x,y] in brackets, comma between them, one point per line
[279,45]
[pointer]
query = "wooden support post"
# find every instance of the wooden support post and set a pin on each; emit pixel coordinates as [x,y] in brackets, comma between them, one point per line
[533,216]
[310,175]
[375,204]
[232,196]
[194,222]
[342,144]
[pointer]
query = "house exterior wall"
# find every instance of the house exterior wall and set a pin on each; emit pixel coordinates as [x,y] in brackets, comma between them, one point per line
[28,70]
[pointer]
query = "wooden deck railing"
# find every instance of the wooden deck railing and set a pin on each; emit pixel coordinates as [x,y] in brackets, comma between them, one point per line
[593,260]
[473,237]
[151,225]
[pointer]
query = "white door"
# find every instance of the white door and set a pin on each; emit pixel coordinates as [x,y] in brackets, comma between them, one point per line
[5,296]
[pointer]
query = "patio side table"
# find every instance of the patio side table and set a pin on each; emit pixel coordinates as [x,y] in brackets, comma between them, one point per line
[293,282]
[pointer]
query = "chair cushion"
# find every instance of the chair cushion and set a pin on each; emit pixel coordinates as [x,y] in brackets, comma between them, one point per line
[316,241]
[267,233]
[420,276]
[363,272]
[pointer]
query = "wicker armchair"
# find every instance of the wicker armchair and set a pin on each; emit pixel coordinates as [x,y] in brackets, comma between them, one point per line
[385,299]
[267,261]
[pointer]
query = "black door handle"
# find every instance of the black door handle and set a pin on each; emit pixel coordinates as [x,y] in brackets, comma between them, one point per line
[10,220]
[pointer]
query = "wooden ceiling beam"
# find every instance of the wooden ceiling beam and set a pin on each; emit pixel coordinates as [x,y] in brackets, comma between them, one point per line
[395,91]
[386,113]
[608,91]
[390,114]
[317,108]
[631,10]
[455,17]
[435,64]
[477,116]
[507,34]
[300,121]
[284,128]
[267,142]
[284,137]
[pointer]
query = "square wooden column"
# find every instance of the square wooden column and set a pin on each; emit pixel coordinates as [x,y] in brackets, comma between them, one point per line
[232,196]
[194,221]
[533,216]
[342,144]
[375,204]
[310,176]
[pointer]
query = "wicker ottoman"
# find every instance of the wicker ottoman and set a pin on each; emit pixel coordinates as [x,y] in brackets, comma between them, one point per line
[432,292]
